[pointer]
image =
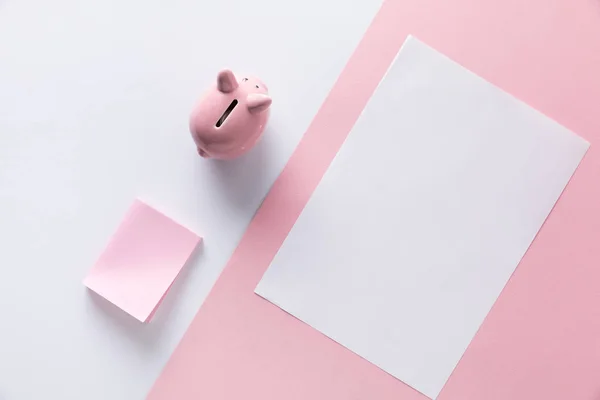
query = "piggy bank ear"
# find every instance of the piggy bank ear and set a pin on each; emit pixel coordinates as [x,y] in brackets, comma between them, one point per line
[258,103]
[226,81]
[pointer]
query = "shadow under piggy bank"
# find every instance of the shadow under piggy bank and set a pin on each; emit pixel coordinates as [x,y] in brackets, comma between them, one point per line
[242,180]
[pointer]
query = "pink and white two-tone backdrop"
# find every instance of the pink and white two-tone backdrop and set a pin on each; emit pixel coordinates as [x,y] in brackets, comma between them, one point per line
[541,339]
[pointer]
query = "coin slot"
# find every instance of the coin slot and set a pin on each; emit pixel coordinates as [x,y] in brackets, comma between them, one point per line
[227,112]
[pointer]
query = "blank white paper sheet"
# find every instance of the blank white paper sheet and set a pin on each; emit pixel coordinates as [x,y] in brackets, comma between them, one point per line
[424,214]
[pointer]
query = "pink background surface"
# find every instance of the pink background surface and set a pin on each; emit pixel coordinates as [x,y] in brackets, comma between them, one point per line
[542,338]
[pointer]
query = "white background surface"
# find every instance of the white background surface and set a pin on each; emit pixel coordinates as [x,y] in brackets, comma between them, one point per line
[94,102]
[419,222]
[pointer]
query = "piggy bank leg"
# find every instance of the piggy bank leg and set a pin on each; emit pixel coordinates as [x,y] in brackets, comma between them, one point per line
[202,153]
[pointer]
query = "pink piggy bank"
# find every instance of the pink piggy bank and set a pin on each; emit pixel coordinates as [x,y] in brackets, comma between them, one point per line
[231,116]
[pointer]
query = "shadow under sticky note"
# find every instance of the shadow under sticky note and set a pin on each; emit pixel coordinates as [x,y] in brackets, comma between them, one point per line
[424,214]
[141,261]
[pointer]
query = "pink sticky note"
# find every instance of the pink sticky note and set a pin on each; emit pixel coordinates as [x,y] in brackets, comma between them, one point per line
[141,261]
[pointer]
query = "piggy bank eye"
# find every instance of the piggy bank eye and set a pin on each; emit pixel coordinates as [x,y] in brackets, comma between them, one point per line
[257,86]
[244,80]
